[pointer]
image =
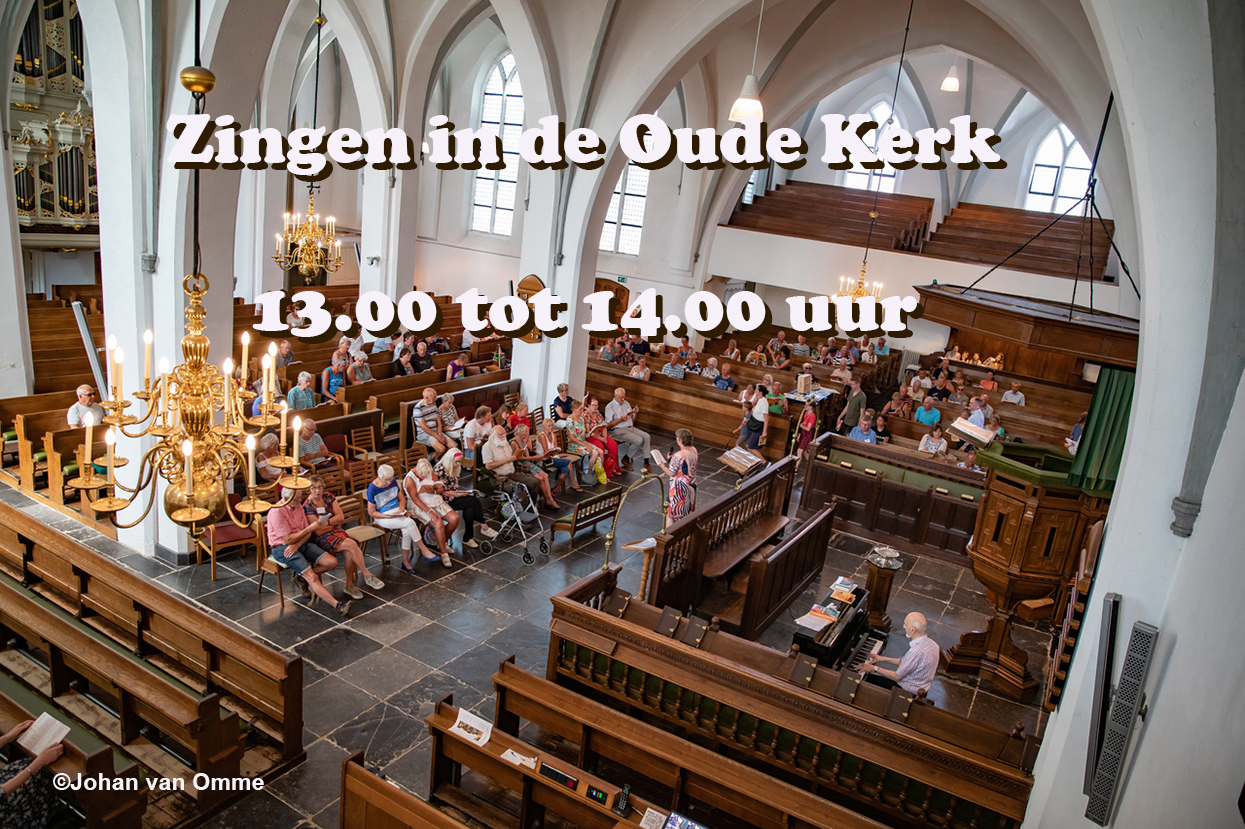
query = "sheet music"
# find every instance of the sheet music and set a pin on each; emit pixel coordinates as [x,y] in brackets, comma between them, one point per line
[476,729]
[44,732]
[659,458]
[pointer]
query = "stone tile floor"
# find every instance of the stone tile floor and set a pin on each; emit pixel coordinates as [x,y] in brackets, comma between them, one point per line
[371,679]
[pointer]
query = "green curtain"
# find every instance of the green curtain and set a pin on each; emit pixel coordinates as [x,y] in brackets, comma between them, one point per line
[1097,464]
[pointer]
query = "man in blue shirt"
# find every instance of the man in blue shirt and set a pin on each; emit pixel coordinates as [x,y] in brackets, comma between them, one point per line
[640,347]
[976,416]
[724,381]
[927,414]
[880,348]
[864,431]
[672,368]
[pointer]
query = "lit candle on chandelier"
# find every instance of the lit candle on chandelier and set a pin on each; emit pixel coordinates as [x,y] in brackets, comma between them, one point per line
[188,450]
[266,367]
[112,346]
[110,440]
[272,370]
[285,408]
[119,358]
[147,360]
[277,248]
[250,453]
[229,390]
[246,351]
[164,386]
[297,427]
[88,420]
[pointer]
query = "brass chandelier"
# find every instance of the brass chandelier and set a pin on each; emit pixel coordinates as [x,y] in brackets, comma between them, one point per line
[197,455]
[303,244]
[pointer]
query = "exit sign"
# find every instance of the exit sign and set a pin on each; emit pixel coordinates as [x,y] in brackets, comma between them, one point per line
[622,280]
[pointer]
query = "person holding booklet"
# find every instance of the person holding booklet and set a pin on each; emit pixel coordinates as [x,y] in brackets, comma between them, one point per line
[551,453]
[26,797]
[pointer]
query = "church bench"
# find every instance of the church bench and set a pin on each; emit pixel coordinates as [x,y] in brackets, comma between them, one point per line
[594,509]
[485,389]
[369,801]
[535,792]
[395,403]
[669,405]
[11,407]
[88,295]
[775,576]
[713,539]
[106,807]
[486,349]
[357,395]
[207,736]
[920,767]
[263,685]
[689,770]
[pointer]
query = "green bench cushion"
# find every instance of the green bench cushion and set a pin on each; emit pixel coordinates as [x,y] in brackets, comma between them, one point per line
[10,434]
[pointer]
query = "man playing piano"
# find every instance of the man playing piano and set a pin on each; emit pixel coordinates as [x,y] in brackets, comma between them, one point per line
[916,669]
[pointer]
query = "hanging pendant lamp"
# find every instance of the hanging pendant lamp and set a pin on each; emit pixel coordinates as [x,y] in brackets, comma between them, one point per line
[748,104]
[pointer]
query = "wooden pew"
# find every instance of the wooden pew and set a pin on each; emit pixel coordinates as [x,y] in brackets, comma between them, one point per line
[689,770]
[357,395]
[265,686]
[11,407]
[908,765]
[589,512]
[774,577]
[536,792]
[118,805]
[371,802]
[208,735]
[692,404]
[715,538]
[486,388]
[897,497]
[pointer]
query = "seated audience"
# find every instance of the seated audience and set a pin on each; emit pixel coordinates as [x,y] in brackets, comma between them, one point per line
[933,442]
[620,423]
[550,450]
[941,389]
[301,396]
[907,404]
[916,669]
[500,458]
[388,507]
[957,395]
[407,341]
[757,356]
[1015,395]
[685,348]
[994,362]
[426,418]
[989,383]
[333,377]
[710,371]
[285,354]
[290,545]
[520,416]
[994,425]
[864,430]
[779,340]
[894,406]
[607,352]
[402,364]
[468,505]
[640,370]
[953,352]
[477,431]
[329,534]
[970,461]
[421,486]
[976,359]
[269,447]
[732,351]
[880,348]
[457,368]
[724,381]
[1073,440]
[577,441]
[86,403]
[673,368]
[639,346]
[691,363]
[853,350]
[801,348]
[562,405]
[942,370]
[926,414]
[782,359]
[311,448]
[879,428]
[360,371]
[776,399]
[449,416]
[985,405]
[422,361]
[27,798]
[594,421]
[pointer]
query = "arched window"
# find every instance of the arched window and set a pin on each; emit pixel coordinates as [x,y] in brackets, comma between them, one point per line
[861,177]
[624,221]
[750,189]
[501,109]
[1060,174]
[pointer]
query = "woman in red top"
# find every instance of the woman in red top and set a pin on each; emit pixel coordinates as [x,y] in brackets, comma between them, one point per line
[807,431]
[599,436]
[519,415]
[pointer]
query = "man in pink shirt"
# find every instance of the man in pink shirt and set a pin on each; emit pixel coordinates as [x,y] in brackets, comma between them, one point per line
[290,545]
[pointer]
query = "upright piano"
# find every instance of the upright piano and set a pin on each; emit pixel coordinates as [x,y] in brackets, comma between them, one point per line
[845,642]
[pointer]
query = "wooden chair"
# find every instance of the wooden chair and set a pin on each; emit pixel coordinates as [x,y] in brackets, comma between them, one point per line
[361,445]
[268,564]
[360,473]
[226,535]
[364,531]
[334,481]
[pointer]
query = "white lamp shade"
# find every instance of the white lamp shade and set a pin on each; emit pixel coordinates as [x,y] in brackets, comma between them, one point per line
[951,83]
[748,104]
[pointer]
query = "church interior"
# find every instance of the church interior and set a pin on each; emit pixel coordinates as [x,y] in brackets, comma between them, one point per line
[977,573]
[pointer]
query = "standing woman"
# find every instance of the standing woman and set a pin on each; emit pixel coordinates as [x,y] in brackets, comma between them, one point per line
[387,505]
[806,432]
[470,508]
[550,449]
[26,797]
[333,377]
[360,371]
[684,462]
[322,504]
[599,436]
